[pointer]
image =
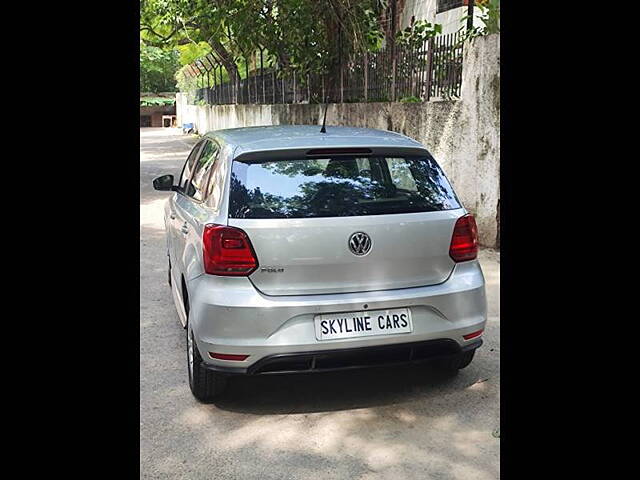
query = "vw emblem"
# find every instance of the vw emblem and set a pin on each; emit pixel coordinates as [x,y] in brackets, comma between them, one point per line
[359,243]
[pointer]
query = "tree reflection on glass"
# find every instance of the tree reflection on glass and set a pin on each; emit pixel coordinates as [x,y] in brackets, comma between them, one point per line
[338,187]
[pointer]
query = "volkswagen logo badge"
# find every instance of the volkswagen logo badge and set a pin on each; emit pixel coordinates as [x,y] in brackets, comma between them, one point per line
[360,243]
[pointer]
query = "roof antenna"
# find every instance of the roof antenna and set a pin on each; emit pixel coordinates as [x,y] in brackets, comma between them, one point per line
[324,120]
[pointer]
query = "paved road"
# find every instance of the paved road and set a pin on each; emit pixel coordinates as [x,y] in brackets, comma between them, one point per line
[408,423]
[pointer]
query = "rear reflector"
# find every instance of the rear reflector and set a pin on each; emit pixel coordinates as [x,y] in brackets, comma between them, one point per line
[227,251]
[464,241]
[228,356]
[469,336]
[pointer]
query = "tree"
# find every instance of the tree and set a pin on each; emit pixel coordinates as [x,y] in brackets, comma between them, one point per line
[157,69]
[301,35]
[180,22]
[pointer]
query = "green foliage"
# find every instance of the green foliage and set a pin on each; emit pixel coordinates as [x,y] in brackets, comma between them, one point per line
[192,51]
[156,101]
[417,33]
[157,69]
[299,35]
[411,39]
[490,17]
[182,80]
[374,35]
[410,99]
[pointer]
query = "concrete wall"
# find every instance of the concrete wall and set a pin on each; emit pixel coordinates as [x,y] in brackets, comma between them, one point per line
[463,135]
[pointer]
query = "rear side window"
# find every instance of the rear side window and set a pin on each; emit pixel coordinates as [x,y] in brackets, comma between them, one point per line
[198,184]
[338,187]
[188,167]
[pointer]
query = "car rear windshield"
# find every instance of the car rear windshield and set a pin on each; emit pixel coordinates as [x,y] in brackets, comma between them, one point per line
[338,187]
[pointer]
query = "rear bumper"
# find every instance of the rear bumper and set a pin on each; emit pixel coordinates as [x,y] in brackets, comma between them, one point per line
[349,358]
[228,315]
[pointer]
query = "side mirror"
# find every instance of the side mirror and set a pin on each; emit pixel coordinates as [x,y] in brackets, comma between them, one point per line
[164,183]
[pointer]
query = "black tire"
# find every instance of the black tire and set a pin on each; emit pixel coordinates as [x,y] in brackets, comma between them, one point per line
[206,385]
[456,362]
[169,272]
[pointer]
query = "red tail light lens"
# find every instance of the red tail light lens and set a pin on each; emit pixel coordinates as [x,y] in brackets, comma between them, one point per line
[464,242]
[227,251]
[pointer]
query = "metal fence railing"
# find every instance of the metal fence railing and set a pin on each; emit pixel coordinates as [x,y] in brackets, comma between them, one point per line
[430,69]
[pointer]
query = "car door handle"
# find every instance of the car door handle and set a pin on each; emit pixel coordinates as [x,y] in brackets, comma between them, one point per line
[184,228]
[172,216]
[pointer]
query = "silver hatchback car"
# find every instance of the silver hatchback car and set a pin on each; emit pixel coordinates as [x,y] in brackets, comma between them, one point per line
[292,250]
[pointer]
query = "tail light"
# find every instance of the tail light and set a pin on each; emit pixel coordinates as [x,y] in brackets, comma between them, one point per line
[464,242]
[227,251]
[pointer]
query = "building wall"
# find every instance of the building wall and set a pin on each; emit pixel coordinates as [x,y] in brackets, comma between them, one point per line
[463,135]
[156,113]
[426,10]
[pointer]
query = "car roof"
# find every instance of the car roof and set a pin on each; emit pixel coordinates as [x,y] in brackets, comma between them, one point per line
[281,137]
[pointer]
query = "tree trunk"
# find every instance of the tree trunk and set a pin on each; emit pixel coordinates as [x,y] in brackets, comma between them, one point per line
[225,58]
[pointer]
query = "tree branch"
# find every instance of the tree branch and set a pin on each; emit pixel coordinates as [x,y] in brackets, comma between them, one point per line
[163,39]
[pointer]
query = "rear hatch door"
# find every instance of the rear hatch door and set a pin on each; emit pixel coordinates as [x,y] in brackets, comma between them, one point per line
[345,223]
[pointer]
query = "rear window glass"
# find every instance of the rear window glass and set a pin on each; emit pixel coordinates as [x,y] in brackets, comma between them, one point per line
[338,187]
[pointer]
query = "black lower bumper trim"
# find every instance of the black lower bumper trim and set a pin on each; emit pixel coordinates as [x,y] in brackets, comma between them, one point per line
[350,358]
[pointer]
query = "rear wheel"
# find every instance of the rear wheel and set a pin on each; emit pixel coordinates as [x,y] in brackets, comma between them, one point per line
[205,384]
[169,272]
[456,362]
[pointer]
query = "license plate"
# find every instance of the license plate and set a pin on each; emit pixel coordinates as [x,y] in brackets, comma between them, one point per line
[363,324]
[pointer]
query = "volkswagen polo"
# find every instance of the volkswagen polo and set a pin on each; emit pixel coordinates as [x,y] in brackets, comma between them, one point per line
[295,250]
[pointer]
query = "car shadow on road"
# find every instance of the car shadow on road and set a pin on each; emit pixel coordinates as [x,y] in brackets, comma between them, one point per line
[332,391]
